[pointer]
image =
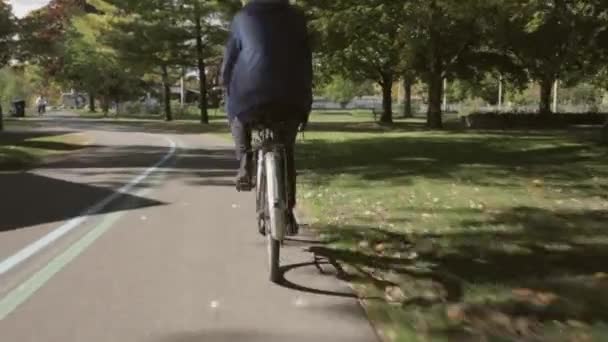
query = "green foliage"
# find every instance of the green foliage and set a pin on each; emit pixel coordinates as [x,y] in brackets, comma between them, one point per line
[581,94]
[343,90]
[553,39]
[93,67]
[7,30]
[359,39]
[447,39]
[13,86]
[24,83]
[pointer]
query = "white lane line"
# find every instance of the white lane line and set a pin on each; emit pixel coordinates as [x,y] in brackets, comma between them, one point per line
[35,247]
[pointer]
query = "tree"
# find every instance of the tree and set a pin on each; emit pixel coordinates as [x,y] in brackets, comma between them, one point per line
[358,39]
[552,40]
[42,33]
[93,67]
[150,38]
[7,29]
[343,90]
[205,21]
[408,80]
[445,39]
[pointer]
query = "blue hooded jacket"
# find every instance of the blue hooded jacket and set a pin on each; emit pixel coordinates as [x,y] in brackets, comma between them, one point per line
[268,62]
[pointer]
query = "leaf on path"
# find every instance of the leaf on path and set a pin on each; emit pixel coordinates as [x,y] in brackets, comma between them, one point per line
[380,248]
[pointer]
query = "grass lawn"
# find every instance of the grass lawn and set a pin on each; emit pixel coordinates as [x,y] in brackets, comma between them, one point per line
[21,149]
[460,236]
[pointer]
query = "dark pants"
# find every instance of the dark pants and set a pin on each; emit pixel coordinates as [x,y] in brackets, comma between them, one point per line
[241,132]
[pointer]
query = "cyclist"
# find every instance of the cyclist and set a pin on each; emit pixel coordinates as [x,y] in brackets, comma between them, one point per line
[267,73]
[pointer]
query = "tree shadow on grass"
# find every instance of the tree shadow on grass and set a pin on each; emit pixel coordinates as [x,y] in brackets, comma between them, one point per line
[550,266]
[479,160]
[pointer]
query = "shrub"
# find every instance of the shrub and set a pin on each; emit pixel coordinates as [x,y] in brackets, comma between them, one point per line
[531,120]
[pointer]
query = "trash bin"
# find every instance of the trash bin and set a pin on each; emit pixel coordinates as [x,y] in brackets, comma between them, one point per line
[19,108]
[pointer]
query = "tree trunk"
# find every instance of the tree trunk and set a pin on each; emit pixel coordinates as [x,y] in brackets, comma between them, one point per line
[1,119]
[387,98]
[166,93]
[546,86]
[202,76]
[91,102]
[105,105]
[435,85]
[407,98]
[117,108]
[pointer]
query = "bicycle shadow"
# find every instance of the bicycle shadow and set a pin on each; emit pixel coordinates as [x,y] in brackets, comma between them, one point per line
[323,265]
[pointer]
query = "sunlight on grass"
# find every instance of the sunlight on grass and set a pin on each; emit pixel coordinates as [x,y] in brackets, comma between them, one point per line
[22,150]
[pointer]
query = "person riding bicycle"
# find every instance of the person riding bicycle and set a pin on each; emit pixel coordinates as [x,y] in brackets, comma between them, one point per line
[267,74]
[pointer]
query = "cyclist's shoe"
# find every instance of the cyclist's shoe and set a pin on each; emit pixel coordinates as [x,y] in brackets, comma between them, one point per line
[293,228]
[243,177]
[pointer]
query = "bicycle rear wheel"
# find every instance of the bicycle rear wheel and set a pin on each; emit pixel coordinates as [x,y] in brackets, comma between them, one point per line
[276,206]
[260,194]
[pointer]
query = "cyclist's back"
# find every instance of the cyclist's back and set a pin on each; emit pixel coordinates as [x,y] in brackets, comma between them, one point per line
[268,62]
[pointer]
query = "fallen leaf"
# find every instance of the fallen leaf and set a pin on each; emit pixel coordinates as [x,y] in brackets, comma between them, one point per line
[576,324]
[394,294]
[364,244]
[581,337]
[456,312]
[600,275]
[501,320]
[379,248]
[546,298]
[523,326]
[523,293]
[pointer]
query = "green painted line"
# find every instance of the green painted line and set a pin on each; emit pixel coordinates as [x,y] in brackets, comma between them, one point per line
[22,293]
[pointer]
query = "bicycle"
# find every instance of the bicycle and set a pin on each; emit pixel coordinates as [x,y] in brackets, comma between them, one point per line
[272,191]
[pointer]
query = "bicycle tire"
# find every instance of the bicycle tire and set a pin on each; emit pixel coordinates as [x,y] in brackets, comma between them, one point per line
[276,207]
[274,256]
[260,194]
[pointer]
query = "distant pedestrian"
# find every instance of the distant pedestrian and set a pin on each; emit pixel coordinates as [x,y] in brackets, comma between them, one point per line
[45,102]
[40,105]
